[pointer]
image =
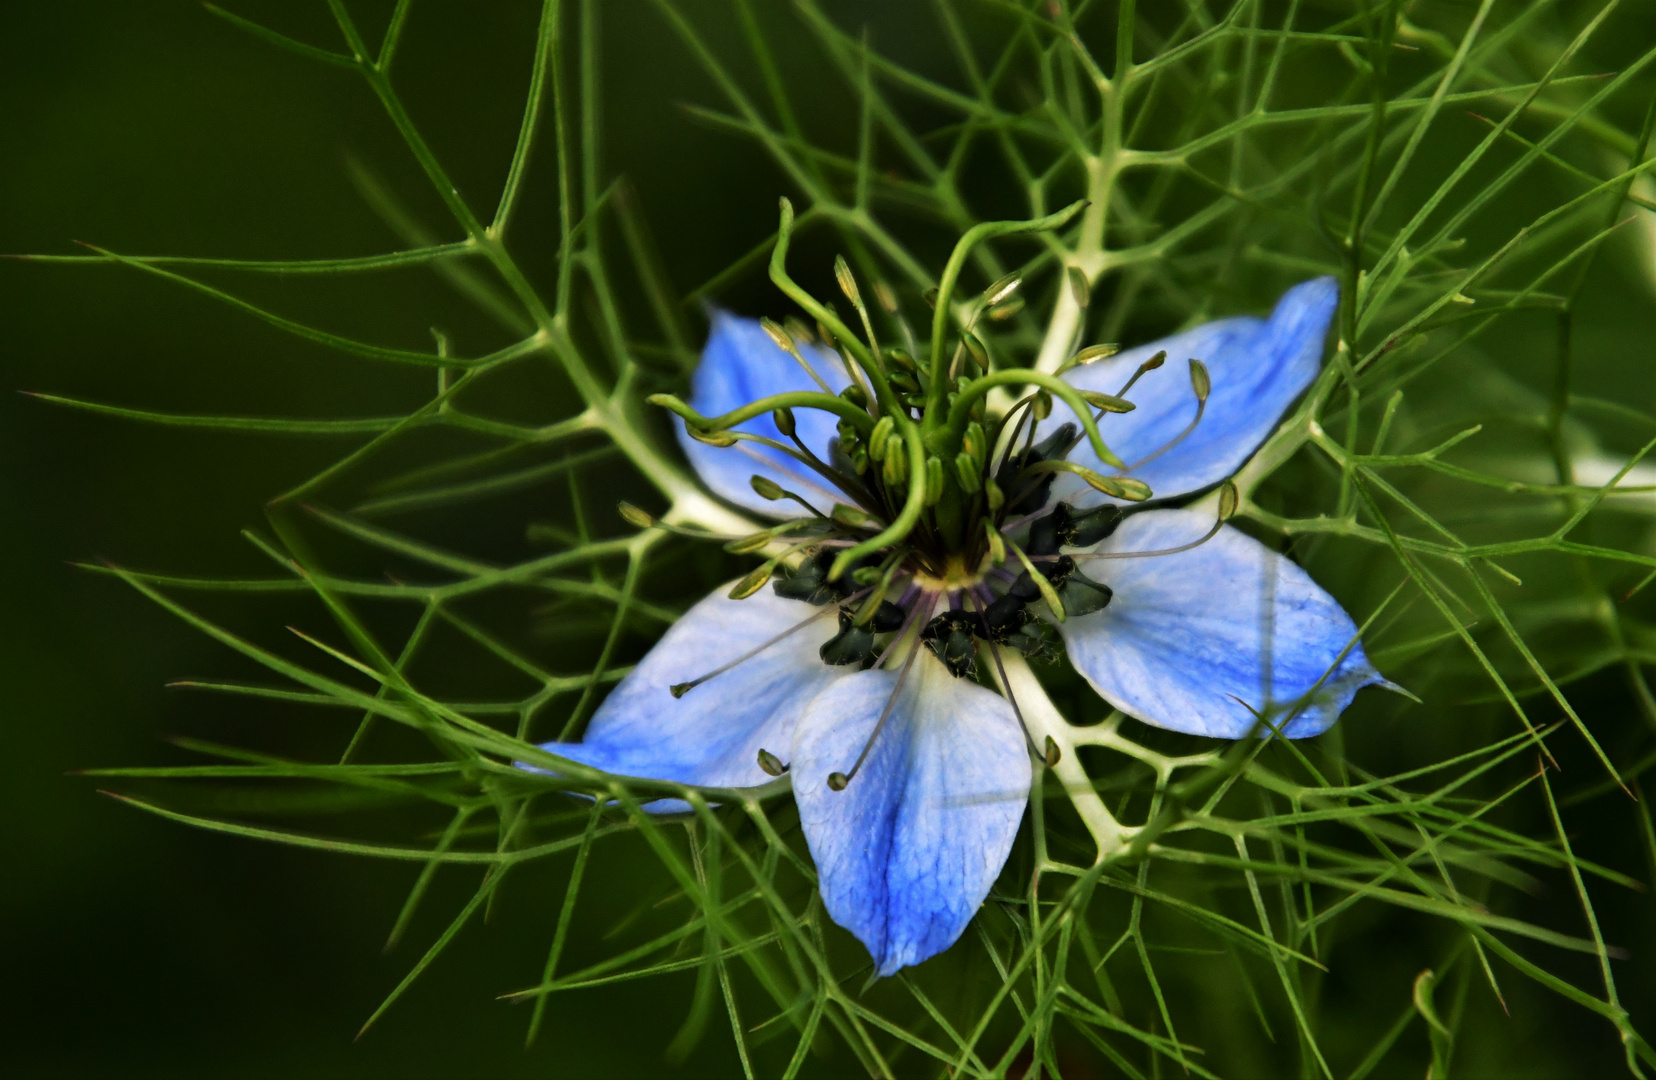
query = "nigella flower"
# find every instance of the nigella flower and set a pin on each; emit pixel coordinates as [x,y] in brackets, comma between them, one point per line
[927,537]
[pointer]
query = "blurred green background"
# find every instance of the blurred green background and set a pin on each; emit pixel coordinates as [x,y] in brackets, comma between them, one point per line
[133,946]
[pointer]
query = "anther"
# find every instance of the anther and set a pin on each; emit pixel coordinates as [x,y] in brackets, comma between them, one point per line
[1149,365]
[838,780]
[678,690]
[1063,527]
[771,763]
[1081,595]
[949,636]
[1052,754]
[852,645]
[1028,497]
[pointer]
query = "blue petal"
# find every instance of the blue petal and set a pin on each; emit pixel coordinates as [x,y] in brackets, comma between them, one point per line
[1258,368]
[713,734]
[906,853]
[1183,644]
[741,364]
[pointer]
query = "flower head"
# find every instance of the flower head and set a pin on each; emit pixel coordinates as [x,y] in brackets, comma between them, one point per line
[923,534]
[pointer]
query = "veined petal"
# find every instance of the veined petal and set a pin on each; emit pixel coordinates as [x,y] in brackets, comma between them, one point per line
[1185,641]
[741,364]
[907,852]
[1258,367]
[713,734]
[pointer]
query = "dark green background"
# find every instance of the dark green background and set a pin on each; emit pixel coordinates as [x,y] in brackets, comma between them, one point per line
[133,946]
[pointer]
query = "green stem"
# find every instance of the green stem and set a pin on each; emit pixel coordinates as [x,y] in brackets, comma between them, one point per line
[797,399]
[988,230]
[906,520]
[847,340]
[960,411]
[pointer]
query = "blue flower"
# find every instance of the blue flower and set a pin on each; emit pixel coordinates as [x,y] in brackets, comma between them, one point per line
[911,775]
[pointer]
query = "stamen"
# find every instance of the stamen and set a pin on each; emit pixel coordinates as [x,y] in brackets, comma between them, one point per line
[771,763]
[1149,365]
[785,342]
[837,781]
[1218,524]
[1011,699]
[678,690]
[1201,384]
[793,475]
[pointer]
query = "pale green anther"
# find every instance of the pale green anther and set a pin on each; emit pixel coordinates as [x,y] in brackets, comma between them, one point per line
[750,543]
[1087,356]
[1229,500]
[968,472]
[1107,402]
[1006,309]
[1001,289]
[1042,406]
[859,460]
[766,488]
[975,442]
[847,283]
[880,437]
[867,575]
[1121,487]
[753,582]
[975,347]
[1080,289]
[851,517]
[777,335]
[1200,381]
[784,420]
[894,470]
[797,329]
[993,494]
[934,480]
[632,515]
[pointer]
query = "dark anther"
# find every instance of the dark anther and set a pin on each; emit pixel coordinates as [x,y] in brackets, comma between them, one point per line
[809,581]
[887,617]
[852,645]
[1034,496]
[1048,534]
[1003,612]
[1057,572]
[1081,595]
[950,637]
[1066,528]
[1094,525]
[1029,639]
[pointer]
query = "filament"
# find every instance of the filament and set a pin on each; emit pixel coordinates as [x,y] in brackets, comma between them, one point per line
[1000,669]
[1201,407]
[680,689]
[1218,524]
[837,781]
